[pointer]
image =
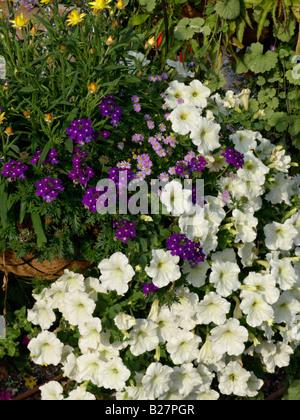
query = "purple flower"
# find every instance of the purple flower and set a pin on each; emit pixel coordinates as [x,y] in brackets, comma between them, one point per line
[90,199]
[81,131]
[50,158]
[49,188]
[125,230]
[137,107]
[188,250]
[110,109]
[234,157]
[135,99]
[150,125]
[148,287]
[80,173]
[5,396]
[14,170]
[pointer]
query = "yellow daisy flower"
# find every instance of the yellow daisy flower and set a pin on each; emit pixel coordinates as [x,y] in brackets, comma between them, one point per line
[74,18]
[19,21]
[100,4]
[47,1]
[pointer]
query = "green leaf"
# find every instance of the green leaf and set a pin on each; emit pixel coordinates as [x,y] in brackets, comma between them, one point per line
[38,228]
[228,9]
[138,19]
[257,61]
[150,4]
[279,120]
[293,393]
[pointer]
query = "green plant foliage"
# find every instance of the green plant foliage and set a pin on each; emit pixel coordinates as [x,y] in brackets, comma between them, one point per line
[228,9]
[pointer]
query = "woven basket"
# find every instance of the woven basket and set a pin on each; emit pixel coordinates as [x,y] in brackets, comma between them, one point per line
[29,266]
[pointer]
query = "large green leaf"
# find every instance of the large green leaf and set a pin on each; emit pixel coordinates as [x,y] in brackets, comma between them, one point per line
[38,228]
[186,28]
[257,61]
[228,9]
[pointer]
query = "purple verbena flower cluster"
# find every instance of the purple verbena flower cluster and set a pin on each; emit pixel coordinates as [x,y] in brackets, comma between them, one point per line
[188,250]
[125,230]
[148,287]
[234,157]
[49,188]
[110,109]
[14,170]
[90,199]
[50,158]
[81,131]
[80,173]
[191,163]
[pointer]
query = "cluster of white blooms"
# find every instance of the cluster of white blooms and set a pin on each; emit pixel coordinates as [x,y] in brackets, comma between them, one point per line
[239,302]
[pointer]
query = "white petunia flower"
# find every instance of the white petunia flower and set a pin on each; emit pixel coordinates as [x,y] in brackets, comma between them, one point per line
[166,326]
[248,254]
[280,236]
[279,355]
[244,140]
[254,384]
[78,307]
[93,287]
[294,220]
[71,281]
[284,273]
[205,135]
[163,268]
[198,94]
[253,169]
[79,394]
[143,336]
[225,277]
[88,366]
[183,347]
[184,118]
[229,338]
[233,379]
[212,308]
[156,381]
[46,349]
[113,374]
[256,309]
[196,276]
[263,285]
[286,308]
[245,224]
[180,69]
[124,321]
[52,391]
[41,314]
[280,190]
[175,91]
[177,199]
[89,334]
[231,100]
[116,273]
[185,378]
